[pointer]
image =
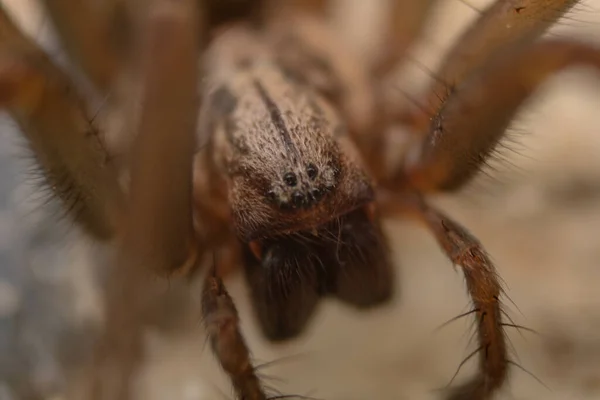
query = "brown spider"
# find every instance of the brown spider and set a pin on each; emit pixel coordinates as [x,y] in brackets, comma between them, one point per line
[250,128]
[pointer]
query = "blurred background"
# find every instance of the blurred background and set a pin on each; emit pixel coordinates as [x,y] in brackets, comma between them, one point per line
[538,216]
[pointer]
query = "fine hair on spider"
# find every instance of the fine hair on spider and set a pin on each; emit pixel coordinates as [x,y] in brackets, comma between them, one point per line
[256,132]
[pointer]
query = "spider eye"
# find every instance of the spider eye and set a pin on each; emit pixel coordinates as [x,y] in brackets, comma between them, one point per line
[298,199]
[316,194]
[312,171]
[290,179]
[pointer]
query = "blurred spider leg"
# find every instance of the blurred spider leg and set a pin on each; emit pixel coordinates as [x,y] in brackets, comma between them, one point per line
[222,326]
[52,117]
[158,235]
[11,35]
[404,23]
[316,7]
[159,231]
[484,289]
[504,24]
[93,33]
[466,129]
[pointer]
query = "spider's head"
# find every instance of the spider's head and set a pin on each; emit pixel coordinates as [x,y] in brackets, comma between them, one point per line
[282,194]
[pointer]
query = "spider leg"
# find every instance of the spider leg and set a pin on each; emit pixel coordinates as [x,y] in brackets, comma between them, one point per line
[316,7]
[455,148]
[482,280]
[67,146]
[157,234]
[504,24]
[158,230]
[403,25]
[73,159]
[222,326]
[93,33]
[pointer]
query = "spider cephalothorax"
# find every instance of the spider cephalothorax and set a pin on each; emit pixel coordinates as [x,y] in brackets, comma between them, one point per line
[256,131]
[282,150]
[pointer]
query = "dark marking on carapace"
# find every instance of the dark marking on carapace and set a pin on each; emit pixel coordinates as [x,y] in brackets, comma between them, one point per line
[278,121]
[223,101]
[223,104]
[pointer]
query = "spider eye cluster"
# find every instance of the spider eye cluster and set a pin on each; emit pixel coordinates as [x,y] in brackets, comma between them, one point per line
[302,187]
[291,179]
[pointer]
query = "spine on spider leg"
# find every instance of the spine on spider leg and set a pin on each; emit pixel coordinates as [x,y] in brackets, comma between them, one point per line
[467,128]
[222,326]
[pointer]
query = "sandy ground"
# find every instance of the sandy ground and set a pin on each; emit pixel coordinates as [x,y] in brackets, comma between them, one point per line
[538,218]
